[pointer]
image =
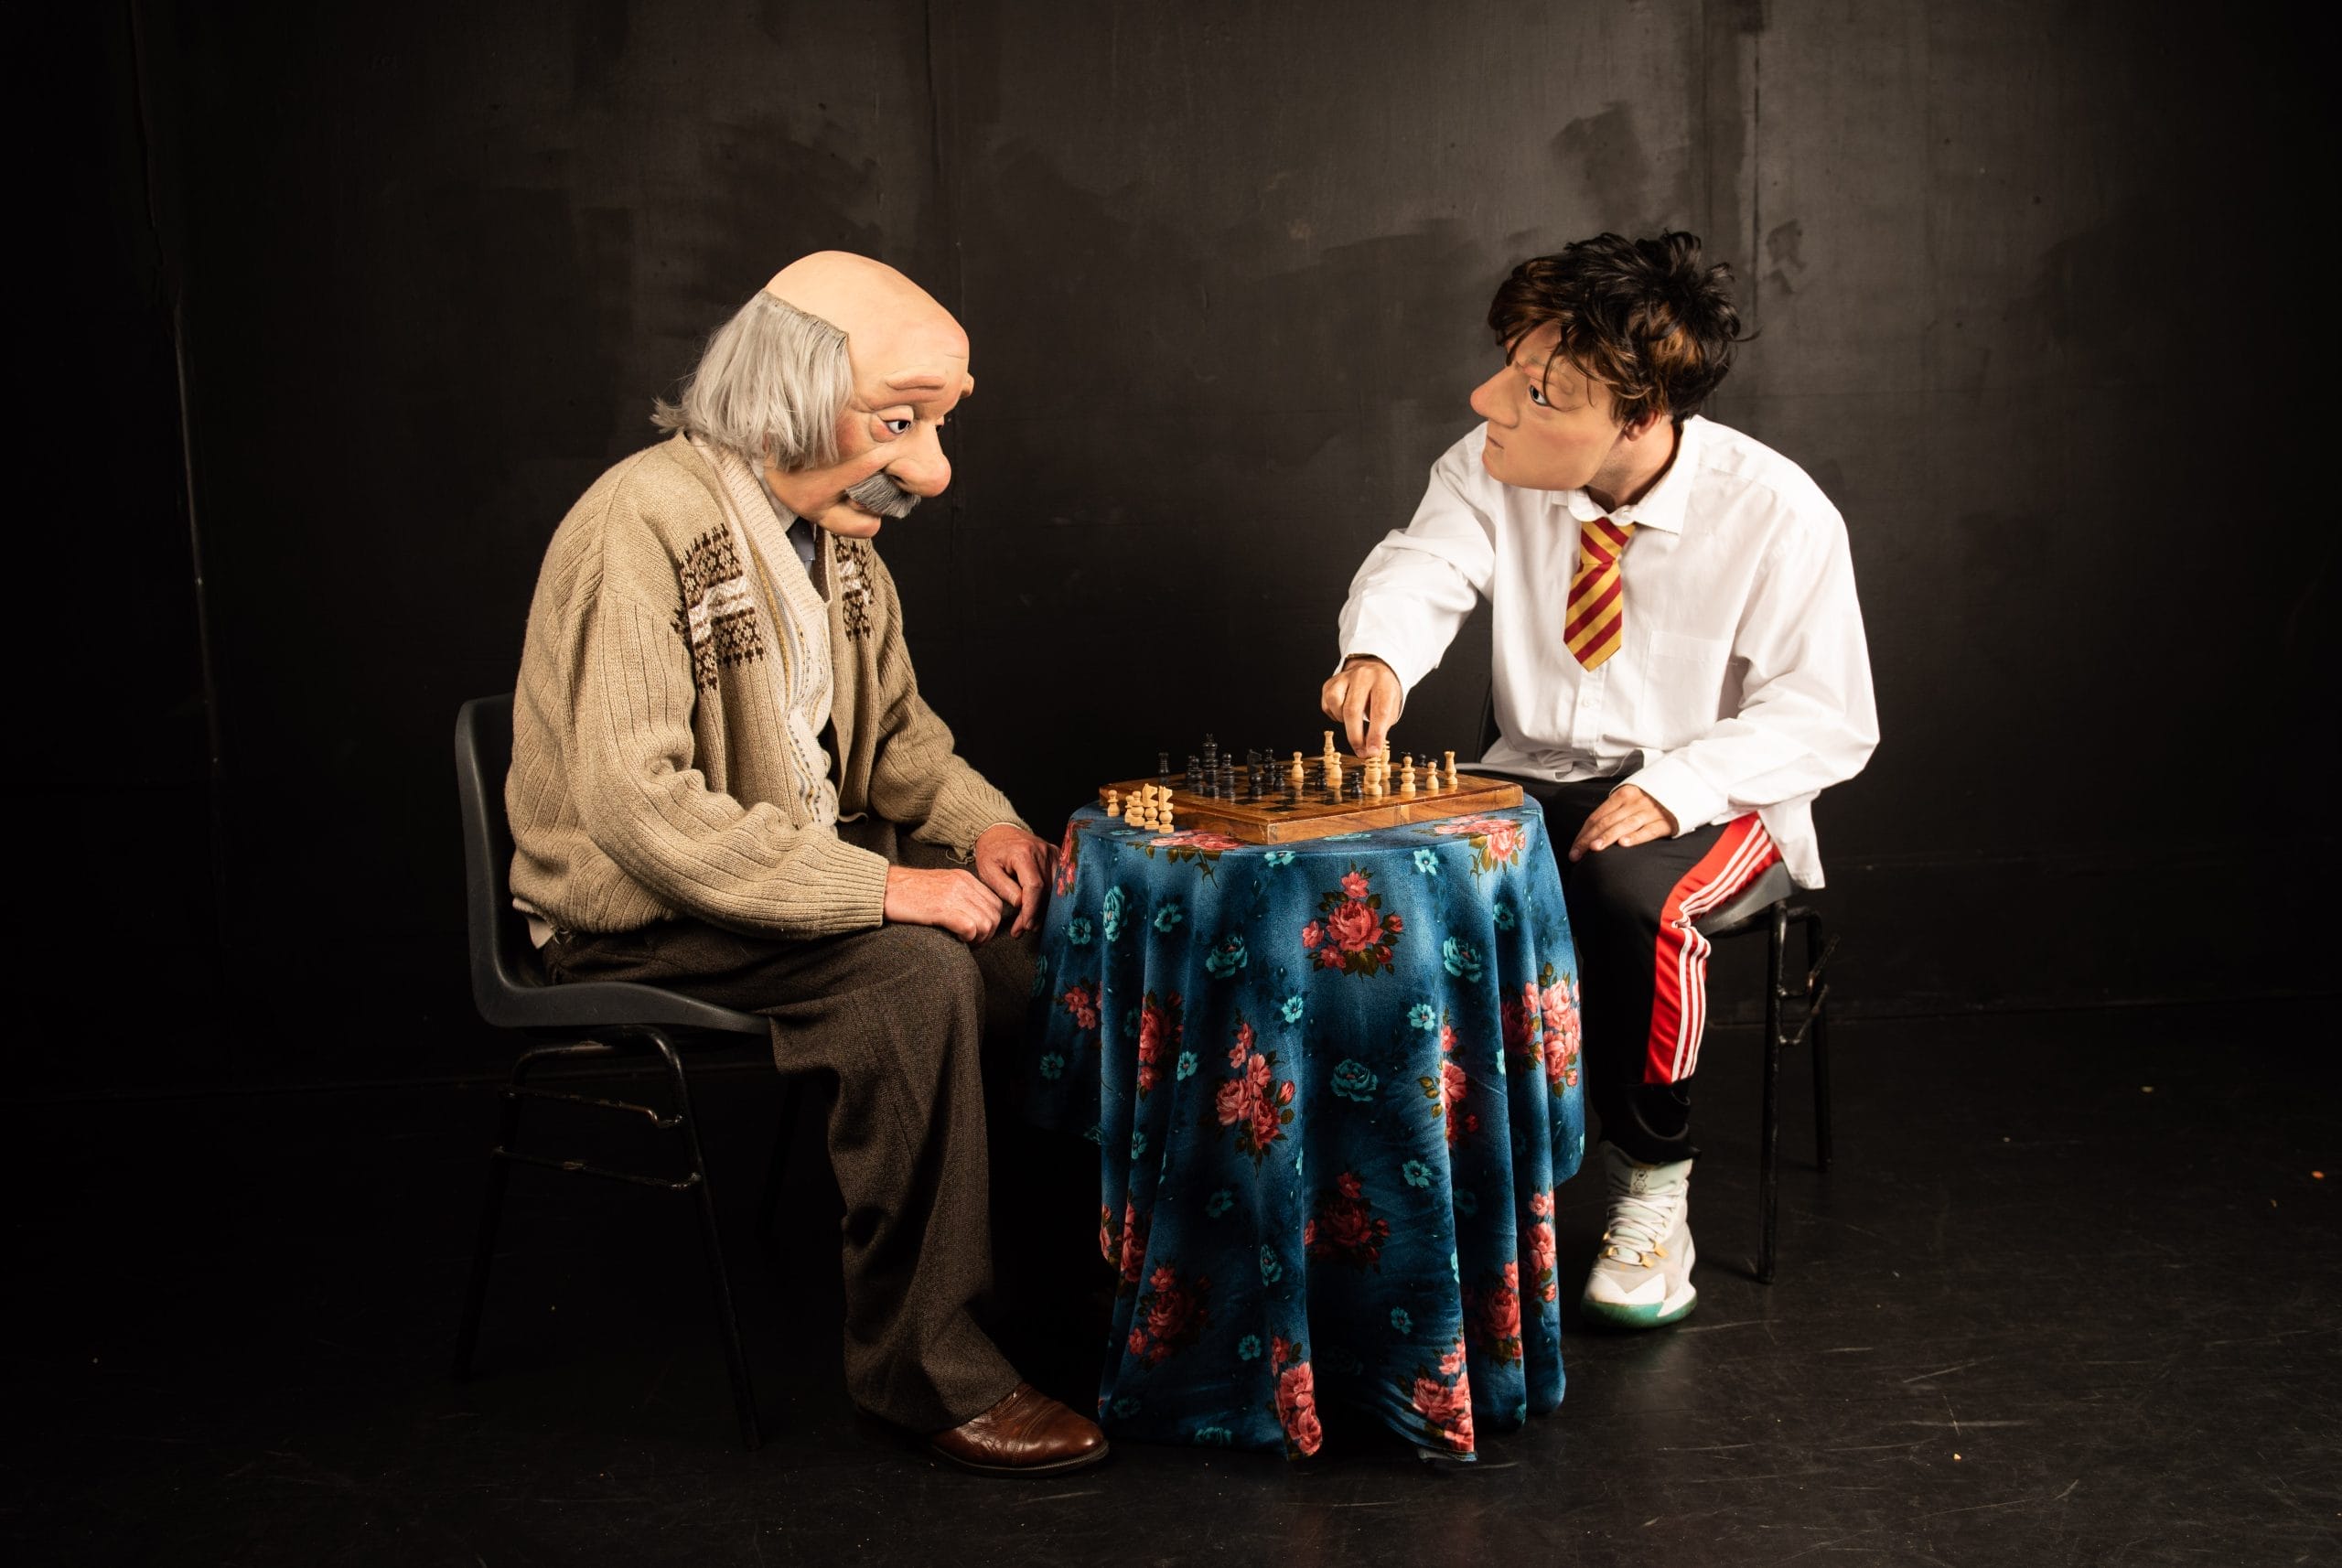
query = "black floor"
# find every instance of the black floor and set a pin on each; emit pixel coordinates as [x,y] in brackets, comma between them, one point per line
[2070,1297]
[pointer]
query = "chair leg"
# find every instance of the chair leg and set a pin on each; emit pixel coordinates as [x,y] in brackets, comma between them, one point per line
[743,1393]
[768,1207]
[491,1219]
[1769,1180]
[1815,947]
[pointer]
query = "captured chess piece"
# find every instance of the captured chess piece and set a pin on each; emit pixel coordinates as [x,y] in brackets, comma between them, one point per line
[1113,802]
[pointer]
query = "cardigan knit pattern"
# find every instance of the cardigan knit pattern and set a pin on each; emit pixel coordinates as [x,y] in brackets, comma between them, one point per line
[650,773]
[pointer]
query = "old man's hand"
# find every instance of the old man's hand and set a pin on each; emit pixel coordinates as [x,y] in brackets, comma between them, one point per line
[1016,866]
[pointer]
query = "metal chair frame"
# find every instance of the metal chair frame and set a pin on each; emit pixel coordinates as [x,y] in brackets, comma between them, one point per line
[1765,908]
[1766,905]
[622,1022]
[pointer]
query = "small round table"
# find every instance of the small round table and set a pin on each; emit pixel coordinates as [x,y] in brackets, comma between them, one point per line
[1333,1085]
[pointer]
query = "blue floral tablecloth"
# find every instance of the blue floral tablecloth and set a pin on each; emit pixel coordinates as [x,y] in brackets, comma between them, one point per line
[1333,1086]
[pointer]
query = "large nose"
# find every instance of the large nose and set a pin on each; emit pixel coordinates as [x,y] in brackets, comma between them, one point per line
[923,469]
[1488,401]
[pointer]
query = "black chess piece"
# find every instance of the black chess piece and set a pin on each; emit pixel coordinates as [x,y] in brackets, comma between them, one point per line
[1163,770]
[1195,772]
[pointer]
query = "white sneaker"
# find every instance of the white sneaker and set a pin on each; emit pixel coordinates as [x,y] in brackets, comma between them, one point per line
[1643,1276]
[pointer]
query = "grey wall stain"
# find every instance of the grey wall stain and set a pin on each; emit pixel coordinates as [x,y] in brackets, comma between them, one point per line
[1604,152]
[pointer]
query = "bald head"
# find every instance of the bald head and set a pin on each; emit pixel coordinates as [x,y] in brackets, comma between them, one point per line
[892,326]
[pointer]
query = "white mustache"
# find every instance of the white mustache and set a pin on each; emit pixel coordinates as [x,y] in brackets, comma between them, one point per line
[880,494]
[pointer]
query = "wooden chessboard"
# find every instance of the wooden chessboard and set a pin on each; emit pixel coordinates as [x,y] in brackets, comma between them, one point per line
[1273,820]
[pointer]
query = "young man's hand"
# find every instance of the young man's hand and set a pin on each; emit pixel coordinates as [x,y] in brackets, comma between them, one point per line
[1016,866]
[1364,698]
[1628,817]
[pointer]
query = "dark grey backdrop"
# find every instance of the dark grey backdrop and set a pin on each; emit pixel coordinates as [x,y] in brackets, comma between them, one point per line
[2041,301]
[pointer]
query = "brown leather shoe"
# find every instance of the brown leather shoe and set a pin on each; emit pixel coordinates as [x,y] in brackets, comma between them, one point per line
[1028,1434]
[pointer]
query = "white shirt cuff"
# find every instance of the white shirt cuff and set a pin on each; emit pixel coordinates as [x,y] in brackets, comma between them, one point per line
[1691,800]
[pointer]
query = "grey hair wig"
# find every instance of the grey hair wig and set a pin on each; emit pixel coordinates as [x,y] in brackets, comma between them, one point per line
[772,385]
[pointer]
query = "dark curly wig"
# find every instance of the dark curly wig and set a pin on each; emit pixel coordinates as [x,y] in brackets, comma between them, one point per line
[1642,317]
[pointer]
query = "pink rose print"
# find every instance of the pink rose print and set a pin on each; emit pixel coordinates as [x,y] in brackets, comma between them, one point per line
[1296,1398]
[1492,1313]
[1082,1001]
[1562,1026]
[1522,1022]
[1540,1256]
[1446,1409]
[1345,1229]
[1541,1204]
[1191,839]
[1255,1101]
[1124,1247]
[1159,1029]
[1351,931]
[1170,1316]
[1496,841]
[1449,1086]
[1354,926]
[1541,1246]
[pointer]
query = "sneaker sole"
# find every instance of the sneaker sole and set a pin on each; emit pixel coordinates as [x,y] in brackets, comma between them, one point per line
[1658,1316]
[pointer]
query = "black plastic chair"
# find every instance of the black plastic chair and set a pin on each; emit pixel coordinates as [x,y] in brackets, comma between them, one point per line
[1766,905]
[618,1019]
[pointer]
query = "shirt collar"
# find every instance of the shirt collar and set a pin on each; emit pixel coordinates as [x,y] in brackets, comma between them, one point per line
[1663,505]
[802,538]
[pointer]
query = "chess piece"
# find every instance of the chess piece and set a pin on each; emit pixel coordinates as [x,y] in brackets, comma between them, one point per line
[1407,776]
[1113,802]
[1300,772]
[1451,770]
[1163,818]
[1195,775]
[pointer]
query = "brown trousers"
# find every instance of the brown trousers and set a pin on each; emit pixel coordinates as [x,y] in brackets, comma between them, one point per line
[890,1022]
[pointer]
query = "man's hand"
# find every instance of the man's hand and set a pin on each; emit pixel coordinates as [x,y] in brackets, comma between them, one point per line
[953,901]
[1016,866]
[1628,817]
[1364,698]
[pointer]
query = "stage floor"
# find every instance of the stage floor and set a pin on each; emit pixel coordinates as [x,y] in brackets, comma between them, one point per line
[2068,1297]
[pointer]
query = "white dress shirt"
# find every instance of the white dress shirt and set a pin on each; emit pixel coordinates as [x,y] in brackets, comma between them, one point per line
[1742,681]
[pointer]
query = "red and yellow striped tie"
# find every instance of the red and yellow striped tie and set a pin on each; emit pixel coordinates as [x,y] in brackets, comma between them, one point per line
[1597,607]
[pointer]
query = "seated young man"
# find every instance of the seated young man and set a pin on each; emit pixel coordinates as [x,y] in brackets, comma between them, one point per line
[1679,671]
[716,736]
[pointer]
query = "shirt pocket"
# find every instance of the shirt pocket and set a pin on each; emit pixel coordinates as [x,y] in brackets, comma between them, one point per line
[1677,653]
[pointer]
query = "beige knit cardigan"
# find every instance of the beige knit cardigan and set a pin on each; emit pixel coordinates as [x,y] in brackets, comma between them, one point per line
[649,778]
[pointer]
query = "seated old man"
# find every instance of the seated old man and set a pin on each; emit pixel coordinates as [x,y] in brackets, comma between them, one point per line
[725,782]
